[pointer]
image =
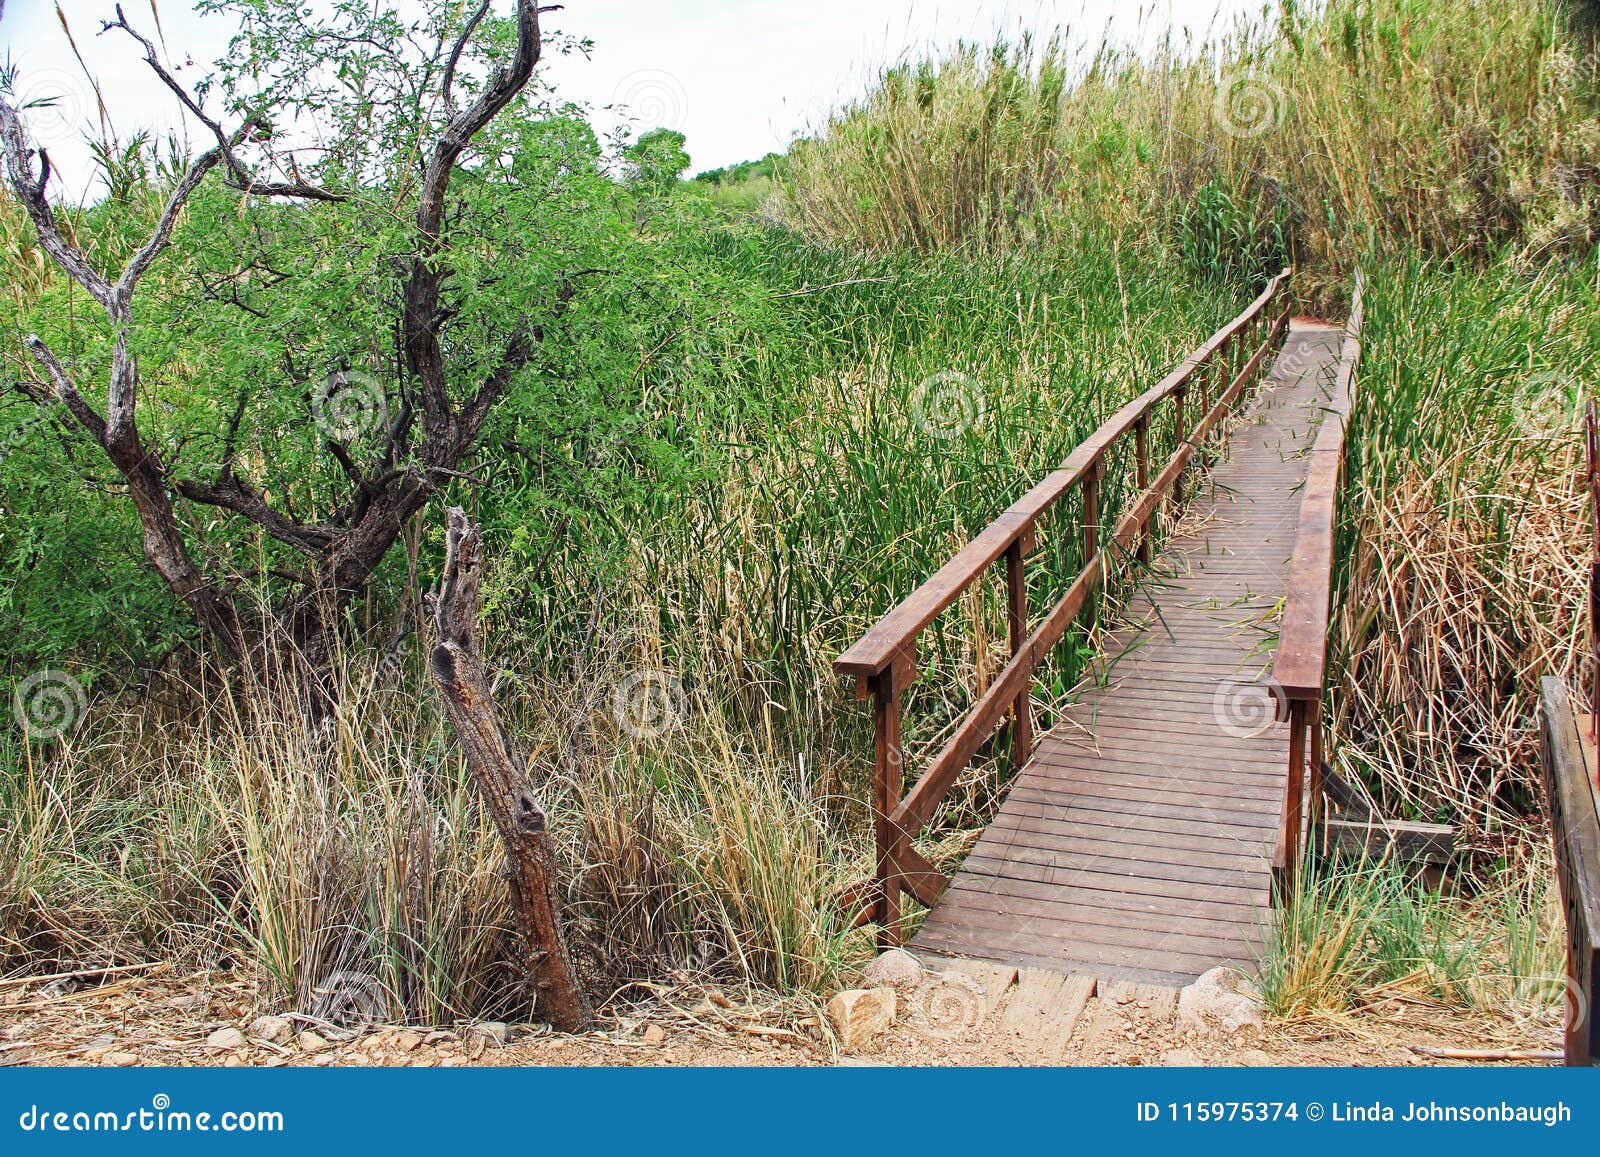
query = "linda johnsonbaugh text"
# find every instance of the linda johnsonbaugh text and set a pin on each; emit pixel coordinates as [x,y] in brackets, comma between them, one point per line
[1349,1112]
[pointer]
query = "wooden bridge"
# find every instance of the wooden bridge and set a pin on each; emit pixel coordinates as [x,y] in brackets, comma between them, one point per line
[1146,835]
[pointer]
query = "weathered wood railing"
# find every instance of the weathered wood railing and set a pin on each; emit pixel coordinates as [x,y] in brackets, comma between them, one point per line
[884,660]
[1567,751]
[1299,666]
[1567,762]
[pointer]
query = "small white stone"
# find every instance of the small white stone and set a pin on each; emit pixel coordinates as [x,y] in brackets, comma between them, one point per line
[276,1029]
[896,968]
[493,1033]
[226,1038]
[1220,1003]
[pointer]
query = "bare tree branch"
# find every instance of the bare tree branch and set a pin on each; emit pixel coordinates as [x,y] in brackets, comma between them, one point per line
[31,192]
[66,390]
[233,493]
[240,175]
[455,55]
[122,292]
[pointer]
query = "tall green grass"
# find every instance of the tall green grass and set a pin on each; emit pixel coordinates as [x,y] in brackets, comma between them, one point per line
[1331,130]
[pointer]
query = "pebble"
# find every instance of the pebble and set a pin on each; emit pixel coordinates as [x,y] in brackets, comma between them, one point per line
[653,1034]
[493,1032]
[276,1029]
[226,1038]
[406,1042]
[121,1060]
[311,1042]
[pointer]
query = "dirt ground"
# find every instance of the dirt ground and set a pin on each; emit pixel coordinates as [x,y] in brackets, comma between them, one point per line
[153,1017]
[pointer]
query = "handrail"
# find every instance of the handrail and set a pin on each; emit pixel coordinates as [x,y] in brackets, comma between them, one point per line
[883,660]
[891,635]
[1299,667]
[1591,446]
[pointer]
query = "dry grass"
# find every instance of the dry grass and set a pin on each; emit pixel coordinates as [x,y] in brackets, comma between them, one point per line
[355,847]
[1361,935]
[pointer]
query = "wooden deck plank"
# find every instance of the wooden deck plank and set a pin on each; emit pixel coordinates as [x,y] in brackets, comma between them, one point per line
[1136,843]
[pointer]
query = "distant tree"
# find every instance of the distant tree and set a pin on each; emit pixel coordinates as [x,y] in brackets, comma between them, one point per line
[657,160]
[333,297]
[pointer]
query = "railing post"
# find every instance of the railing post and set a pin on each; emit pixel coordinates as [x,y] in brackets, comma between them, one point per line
[888,775]
[1314,767]
[1141,469]
[1091,512]
[1017,598]
[1294,791]
[1182,436]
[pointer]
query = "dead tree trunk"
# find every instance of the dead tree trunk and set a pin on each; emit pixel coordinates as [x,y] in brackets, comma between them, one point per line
[502,777]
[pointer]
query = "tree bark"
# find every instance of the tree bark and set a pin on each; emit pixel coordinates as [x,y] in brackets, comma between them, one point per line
[502,778]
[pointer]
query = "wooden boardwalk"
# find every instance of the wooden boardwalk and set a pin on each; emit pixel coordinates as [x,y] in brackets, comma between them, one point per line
[1136,844]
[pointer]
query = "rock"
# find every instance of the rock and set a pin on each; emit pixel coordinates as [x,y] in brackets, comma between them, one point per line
[234,1061]
[493,1033]
[275,1029]
[861,1015]
[226,1038]
[121,1060]
[896,968]
[653,1034]
[1220,1003]
[1254,1059]
[312,1043]
[406,1042]
[1182,1059]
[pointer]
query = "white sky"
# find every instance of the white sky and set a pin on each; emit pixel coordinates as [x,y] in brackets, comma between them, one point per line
[740,77]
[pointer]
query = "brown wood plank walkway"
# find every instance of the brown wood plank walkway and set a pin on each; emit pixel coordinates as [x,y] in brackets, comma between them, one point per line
[1137,842]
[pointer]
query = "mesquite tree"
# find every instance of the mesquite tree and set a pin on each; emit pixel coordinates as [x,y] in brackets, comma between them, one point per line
[372,252]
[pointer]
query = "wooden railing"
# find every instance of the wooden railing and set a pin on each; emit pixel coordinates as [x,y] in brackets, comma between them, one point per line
[1568,765]
[1567,757]
[884,660]
[1300,664]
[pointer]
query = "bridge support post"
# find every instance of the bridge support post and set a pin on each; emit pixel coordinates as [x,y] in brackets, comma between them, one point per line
[888,774]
